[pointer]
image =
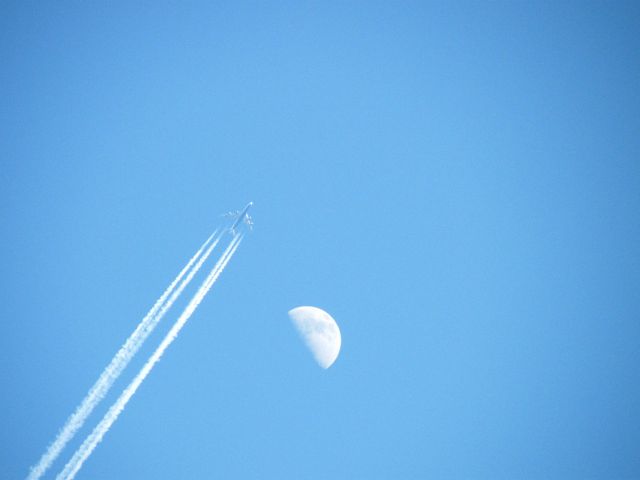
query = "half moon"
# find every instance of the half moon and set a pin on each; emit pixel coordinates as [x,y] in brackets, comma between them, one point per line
[319,332]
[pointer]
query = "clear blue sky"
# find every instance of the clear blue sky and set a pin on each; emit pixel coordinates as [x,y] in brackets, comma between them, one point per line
[457,184]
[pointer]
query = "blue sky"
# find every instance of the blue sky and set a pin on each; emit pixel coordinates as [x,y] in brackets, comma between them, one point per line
[457,184]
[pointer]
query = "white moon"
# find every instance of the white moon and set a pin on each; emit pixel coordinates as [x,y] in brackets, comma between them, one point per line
[320,333]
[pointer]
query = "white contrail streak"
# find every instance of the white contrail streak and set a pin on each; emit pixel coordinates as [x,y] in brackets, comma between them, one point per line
[122,359]
[73,466]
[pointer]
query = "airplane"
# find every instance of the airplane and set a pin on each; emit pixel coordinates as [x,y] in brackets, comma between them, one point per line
[241,217]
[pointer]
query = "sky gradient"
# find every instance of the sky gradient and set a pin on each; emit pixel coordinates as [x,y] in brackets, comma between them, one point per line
[457,184]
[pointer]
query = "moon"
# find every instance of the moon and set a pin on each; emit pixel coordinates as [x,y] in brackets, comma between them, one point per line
[319,332]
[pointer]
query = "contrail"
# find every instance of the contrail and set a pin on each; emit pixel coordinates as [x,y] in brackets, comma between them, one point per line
[80,456]
[122,359]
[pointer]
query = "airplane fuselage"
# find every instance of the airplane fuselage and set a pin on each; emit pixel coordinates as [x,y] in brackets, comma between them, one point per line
[241,217]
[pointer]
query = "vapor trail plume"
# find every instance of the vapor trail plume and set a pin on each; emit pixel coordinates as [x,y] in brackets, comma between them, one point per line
[84,451]
[122,359]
